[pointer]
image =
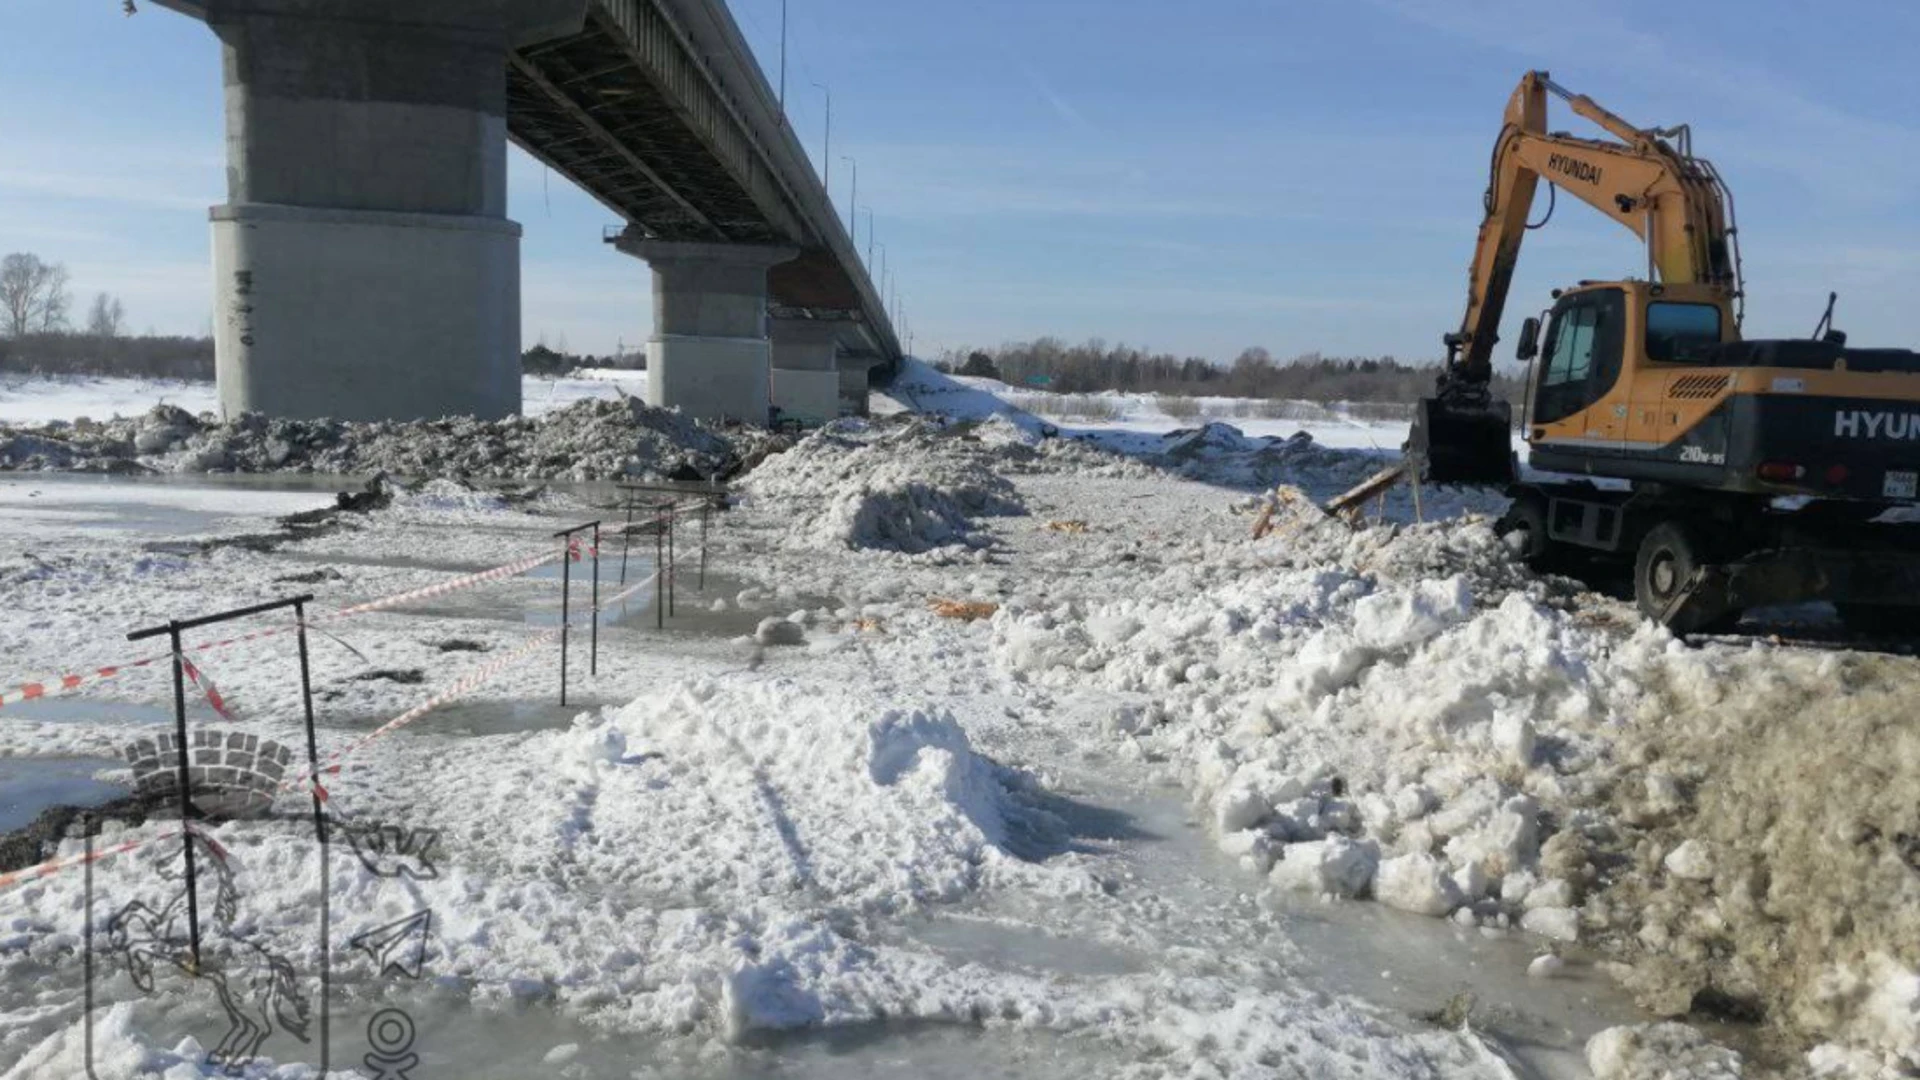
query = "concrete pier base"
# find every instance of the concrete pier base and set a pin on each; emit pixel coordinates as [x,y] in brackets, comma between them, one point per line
[709,355]
[364,315]
[364,266]
[855,385]
[806,372]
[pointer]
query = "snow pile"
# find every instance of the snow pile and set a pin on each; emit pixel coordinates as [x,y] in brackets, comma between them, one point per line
[1659,1052]
[1404,713]
[587,440]
[122,1052]
[1771,867]
[910,488]
[1440,655]
[699,860]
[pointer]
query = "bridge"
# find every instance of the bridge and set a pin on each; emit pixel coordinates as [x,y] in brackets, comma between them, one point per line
[364,265]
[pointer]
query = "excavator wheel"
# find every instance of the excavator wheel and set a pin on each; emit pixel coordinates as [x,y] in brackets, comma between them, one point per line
[1669,555]
[1880,620]
[1524,528]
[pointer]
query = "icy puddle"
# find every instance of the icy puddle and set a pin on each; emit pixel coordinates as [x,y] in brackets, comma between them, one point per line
[153,506]
[453,1039]
[1188,909]
[84,710]
[30,785]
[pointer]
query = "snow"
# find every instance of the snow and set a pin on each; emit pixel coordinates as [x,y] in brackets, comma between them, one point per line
[1691,860]
[39,399]
[1123,418]
[1659,1052]
[731,839]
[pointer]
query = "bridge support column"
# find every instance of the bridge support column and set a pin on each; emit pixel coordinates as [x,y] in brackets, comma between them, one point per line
[364,266]
[855,384]
[806,371]
[709,355]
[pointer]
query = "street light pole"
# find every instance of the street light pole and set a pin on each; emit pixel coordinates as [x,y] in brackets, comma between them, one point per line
[783,59]
[853,201]
[826,148]
[869,239]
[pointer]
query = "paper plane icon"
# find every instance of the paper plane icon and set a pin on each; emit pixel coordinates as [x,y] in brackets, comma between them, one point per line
[400,947]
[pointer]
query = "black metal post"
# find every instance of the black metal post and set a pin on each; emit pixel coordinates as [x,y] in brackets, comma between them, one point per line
[186,801]
[566,586]
[593,649]
[673,515]
[87,829]
[626,536]
[319,827]
[659,581]
[567,538]
[706,506]
[179,733]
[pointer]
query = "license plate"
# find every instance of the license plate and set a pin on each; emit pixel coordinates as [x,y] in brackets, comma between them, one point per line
[1900,485]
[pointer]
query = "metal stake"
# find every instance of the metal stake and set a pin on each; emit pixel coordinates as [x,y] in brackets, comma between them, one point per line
[319,826]
[673,514]
[659,568]
[566,589]
[626,538]
[186,803]
[593,651]
[705,506]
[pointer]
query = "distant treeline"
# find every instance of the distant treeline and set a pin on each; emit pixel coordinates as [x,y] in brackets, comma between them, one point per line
[182,357]
[90,354]
[542,360]
[1051,364]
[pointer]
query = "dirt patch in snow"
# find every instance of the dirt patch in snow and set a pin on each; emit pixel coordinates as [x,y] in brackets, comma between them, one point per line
[1770,859]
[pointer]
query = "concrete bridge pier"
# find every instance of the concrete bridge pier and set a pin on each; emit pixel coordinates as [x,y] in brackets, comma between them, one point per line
[364,266]
[806,369]
[709,354]
[856,384]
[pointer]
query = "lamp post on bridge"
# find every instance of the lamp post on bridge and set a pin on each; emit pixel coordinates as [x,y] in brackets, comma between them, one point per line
[853,201]
[869,211]
[826,147]
[783,59]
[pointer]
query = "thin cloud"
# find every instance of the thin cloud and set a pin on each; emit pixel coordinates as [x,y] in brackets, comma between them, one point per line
[1060,105]
[1766,121]
[126,191]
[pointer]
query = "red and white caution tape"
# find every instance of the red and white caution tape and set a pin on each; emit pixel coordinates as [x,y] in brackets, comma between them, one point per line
[54,866]
[54,685]
[205,682]
[509,570]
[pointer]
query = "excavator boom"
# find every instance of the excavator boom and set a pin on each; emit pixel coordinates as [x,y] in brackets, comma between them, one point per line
[1648,181]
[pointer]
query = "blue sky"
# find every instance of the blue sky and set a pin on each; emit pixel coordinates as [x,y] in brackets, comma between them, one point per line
[1193,178]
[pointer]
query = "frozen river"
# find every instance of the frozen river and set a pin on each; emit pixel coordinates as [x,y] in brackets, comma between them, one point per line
[1108,936]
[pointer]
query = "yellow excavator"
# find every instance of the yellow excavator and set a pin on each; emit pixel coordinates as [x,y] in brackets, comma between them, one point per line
[1733,474]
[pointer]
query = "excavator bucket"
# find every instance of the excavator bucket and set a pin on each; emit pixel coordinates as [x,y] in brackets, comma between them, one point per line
[1460,443]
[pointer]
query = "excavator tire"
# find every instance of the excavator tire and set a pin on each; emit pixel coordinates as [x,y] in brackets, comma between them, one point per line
[1524,528]
[1880,620]
[1669,554]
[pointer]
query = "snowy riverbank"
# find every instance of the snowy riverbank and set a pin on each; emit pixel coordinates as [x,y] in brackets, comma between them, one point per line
[1064,764]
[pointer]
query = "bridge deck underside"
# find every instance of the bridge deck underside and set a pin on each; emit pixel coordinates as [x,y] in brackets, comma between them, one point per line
[625,110]
[586,107]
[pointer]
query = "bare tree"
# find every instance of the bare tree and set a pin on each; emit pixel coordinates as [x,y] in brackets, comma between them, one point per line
[106,317]
[33,295]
